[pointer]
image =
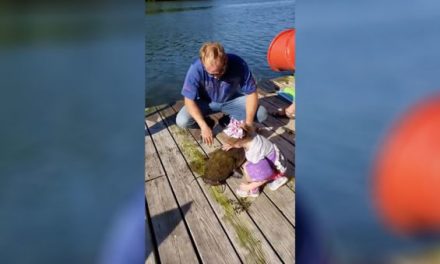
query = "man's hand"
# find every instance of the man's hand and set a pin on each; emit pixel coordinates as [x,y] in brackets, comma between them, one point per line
[207,135]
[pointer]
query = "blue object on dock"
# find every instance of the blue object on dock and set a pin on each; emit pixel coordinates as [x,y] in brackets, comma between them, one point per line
[286,96]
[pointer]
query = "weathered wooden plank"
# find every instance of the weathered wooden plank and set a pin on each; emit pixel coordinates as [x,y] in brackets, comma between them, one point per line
[271,121]
[267,86]
[150,259]
[250,244]
[153,167]
[275,84]
[291,125]
[211,241]
[166,218]
[286,131]
[285,147]
[172,237]
[276,100]
[150,256]
[284,81]
[149,247]
[272,223]
[284,201]
[284,238]
[290,173]
[273,99]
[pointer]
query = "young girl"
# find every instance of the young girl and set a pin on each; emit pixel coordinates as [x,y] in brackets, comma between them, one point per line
[264,161]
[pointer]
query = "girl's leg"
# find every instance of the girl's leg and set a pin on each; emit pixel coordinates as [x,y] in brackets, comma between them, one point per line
[258,172]
[245,172]
[251,185]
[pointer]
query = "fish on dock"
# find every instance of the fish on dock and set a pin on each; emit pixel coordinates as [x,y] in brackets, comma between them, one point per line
[221,165]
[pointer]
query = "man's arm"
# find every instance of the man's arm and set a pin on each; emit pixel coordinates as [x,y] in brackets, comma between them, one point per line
[251,107]
[249,87]
[195,112]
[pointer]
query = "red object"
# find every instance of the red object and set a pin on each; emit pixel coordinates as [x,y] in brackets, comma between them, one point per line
[407,180]
[281,52]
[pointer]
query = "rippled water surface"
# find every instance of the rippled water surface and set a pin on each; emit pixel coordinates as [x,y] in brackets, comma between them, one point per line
[362,65]
[176,30]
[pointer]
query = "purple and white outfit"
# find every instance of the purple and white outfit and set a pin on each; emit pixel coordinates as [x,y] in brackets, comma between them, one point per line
[264,160]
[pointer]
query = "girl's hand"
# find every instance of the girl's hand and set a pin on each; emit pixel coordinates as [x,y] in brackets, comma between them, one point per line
[227,147]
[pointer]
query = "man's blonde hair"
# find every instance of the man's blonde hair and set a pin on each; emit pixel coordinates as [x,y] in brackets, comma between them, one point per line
[211,52]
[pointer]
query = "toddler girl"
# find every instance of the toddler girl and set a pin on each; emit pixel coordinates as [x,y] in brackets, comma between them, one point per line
[264,161]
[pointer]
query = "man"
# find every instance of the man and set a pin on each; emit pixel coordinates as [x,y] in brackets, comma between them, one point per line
[218,82]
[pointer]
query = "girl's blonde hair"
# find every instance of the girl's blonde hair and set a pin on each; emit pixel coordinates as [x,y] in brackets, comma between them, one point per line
[212,52]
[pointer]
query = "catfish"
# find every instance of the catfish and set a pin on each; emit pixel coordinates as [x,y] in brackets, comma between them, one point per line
[221,165]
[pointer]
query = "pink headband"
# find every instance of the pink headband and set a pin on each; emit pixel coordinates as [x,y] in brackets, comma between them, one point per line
[234,129]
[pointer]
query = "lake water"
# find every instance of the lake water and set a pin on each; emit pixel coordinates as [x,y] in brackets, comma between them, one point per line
[360,66]
[176,30]
[72,139]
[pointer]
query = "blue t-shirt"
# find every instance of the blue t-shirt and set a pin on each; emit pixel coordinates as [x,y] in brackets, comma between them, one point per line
[237,80]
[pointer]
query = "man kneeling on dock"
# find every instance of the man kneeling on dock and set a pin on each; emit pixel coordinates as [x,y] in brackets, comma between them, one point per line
[218,82]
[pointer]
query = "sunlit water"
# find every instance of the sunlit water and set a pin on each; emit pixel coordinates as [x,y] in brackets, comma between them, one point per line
[176,30]
[360,66]
[71,153]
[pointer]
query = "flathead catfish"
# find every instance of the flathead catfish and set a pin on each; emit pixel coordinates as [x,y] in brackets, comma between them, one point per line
[221,165]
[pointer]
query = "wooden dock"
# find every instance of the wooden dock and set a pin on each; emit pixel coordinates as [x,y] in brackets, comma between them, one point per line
[191,222]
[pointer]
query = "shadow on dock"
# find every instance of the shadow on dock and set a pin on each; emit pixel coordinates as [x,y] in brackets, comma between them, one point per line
[158,126]
[160,226]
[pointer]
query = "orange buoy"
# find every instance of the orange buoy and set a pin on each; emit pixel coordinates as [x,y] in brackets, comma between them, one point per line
[407,174]
[281,52]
